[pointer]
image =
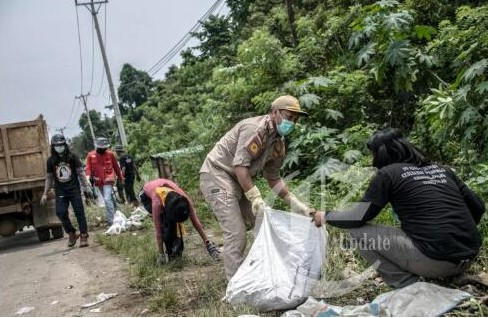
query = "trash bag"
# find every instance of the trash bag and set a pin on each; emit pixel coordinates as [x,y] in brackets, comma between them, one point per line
[283,265]
[119,224]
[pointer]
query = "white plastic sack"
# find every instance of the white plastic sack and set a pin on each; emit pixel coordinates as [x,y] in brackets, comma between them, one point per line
[119,224]
[283,265]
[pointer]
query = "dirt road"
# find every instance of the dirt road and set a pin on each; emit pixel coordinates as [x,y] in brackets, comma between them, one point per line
[56,280]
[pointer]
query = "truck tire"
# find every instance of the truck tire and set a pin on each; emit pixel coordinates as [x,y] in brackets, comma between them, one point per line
[43,234]
[57,232]
[7,227]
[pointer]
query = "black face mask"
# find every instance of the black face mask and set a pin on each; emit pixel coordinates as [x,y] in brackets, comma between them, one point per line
[101,150]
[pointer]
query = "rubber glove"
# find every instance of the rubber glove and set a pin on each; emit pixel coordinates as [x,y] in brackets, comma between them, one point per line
[212,250]
[257,202]
[298,206]
[44,199]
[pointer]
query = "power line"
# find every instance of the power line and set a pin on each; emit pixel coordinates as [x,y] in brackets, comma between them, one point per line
[74,123]
[182,42]
[93,56]
[90,6]
[81,56]
[71,113]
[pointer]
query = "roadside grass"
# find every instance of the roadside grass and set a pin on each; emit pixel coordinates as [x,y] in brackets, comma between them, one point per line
[195,285]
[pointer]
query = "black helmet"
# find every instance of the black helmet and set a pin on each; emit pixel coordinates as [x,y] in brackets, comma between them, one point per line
[58,140]
[119,148]
[102,143]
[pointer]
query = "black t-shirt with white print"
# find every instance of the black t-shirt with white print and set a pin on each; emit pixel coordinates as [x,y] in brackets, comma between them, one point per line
[64,173]
[433,206]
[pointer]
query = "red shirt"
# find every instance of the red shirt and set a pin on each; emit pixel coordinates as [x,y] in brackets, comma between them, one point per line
[102,167]
[150,190]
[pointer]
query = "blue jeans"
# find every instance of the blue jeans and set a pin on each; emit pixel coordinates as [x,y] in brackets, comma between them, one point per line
[107,191]
[62,204]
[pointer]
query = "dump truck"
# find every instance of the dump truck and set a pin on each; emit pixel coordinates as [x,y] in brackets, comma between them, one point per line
[24,149]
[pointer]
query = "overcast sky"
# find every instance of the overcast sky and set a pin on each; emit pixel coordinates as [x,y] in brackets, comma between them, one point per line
[40,53]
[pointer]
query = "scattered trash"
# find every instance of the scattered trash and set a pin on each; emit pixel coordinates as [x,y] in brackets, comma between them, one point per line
[54,302]
[100,299]
[416,300]
[332,289]
[145,311]
[121,223]
[24,310]
[421,299]
[96,309]
[69,287]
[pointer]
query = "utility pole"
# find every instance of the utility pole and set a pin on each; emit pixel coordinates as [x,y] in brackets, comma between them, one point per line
[91,7]
[61,130]
[83,99]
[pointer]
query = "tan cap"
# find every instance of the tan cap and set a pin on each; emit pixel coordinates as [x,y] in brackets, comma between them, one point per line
[289,103]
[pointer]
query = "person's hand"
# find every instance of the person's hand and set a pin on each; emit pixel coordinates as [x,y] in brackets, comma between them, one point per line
[257,202]
[212,250]
[318,218]
[298,206]
[44,199]
[162,258]
[88,193]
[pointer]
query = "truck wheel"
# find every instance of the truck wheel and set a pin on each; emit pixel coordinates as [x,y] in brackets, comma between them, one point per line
[43,234]
[7,227]
[57,232]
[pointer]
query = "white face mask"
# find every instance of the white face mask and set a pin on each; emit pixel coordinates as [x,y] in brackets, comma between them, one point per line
[59,149]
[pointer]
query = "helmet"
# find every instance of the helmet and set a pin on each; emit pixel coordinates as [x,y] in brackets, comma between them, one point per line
[58,140]
[119,148]
[102,143]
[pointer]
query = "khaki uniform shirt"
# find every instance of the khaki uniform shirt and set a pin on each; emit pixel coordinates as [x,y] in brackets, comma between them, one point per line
[252,143]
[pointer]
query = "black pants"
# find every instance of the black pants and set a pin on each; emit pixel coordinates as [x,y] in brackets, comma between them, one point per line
[129,188]
[62,204]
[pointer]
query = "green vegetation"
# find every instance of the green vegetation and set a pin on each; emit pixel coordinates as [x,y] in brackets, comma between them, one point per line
[355,65]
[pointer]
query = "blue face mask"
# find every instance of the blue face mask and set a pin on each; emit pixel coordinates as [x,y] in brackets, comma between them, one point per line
[285,127]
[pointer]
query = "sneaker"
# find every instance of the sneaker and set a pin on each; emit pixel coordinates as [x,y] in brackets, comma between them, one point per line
[84,240]
[72,238]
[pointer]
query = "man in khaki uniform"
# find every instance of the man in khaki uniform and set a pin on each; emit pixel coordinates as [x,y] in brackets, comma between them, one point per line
[255,144]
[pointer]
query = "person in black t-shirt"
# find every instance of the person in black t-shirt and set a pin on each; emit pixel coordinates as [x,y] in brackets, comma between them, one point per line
[438,235]
[129,169]
[66,170]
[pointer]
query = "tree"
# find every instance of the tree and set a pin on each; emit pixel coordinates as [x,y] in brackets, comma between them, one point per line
[135,88]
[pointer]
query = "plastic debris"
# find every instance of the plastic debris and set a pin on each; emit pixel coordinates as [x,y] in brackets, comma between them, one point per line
[54,302]
[24,310]
[99,309]
[100,299]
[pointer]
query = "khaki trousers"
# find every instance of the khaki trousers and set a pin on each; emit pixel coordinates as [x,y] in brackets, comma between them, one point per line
[396,258]
[233,211]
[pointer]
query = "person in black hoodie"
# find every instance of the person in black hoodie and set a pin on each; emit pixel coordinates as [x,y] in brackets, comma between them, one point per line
[66,171]
[438,236]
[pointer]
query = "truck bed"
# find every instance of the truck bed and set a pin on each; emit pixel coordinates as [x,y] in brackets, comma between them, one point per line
[23,154]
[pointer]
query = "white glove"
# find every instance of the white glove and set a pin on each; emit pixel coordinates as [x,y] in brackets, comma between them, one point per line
[257,202]
[298,206]
[44,199]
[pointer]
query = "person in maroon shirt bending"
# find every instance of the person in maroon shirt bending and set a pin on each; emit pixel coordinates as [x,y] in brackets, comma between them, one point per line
[170,206]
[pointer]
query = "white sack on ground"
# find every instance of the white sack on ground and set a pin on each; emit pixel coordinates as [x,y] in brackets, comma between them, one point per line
[283,265]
